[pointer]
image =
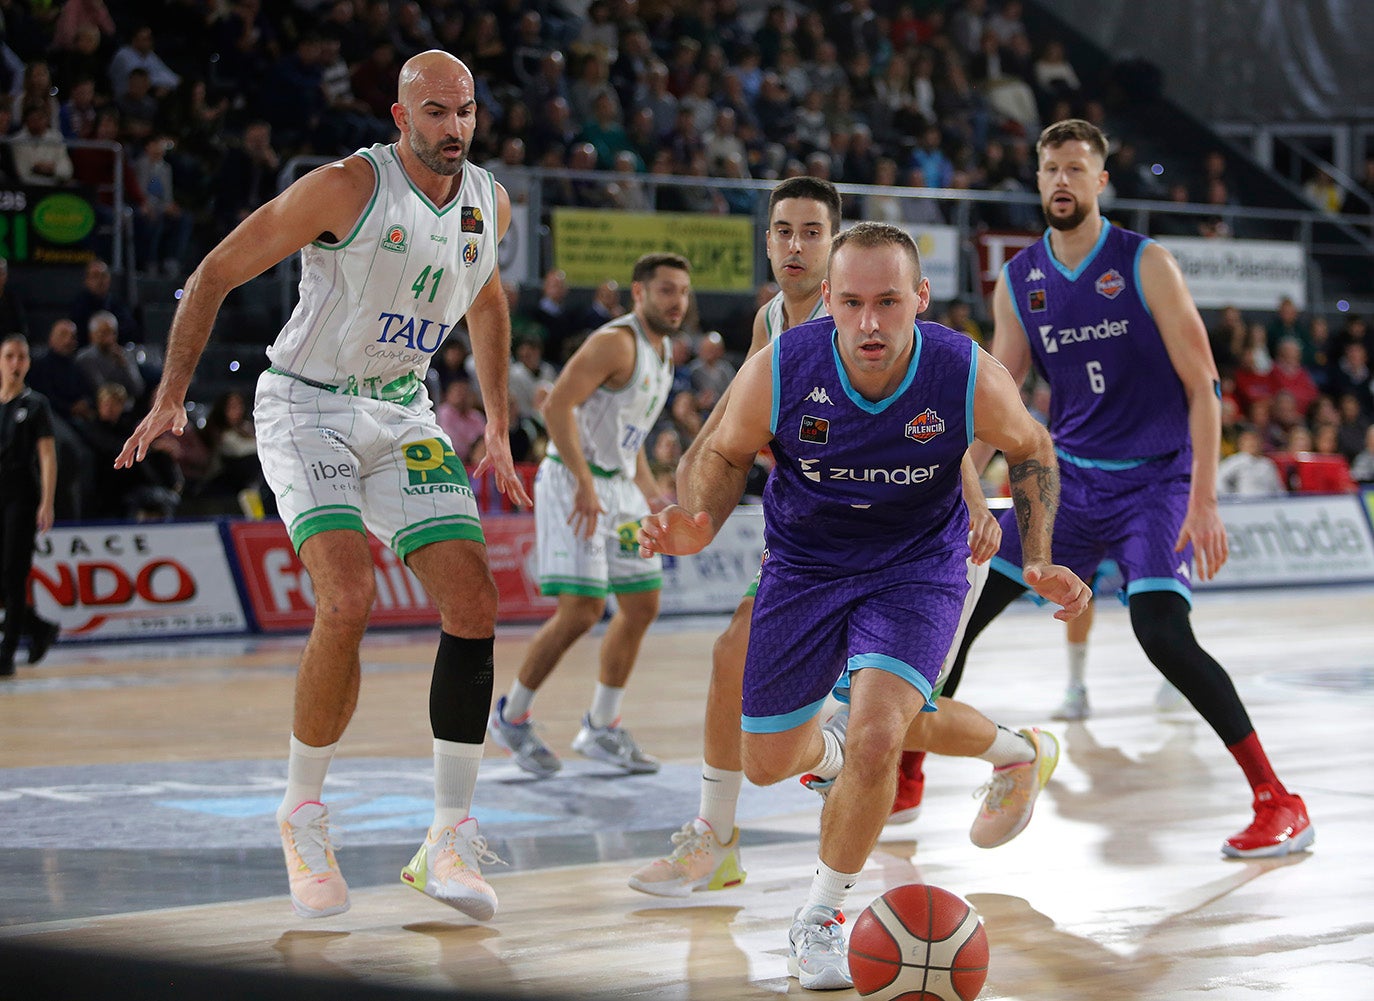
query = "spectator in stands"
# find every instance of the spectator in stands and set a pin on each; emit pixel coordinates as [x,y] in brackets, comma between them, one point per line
[1286,322]
[1259,414]
[69,392]
[1285,413]
[711,374]
[37,88]
[104,359]
[527,372]
[930,159]
[87,59]
[1288,374]
[162,227]
[296,122]
[79,111]
[458,415]
[1362,466]
[1323,192]
[1228,339]
[139,54]
[553,314]
[151,488]
[1352,376]
[232,444]
[40,154]
[78,14]
[346,121]
[685,412]
[1317,352]
[628,193]
[374,79]
[13,316]
[138,108]
[97,295]
[605,306]
[247,176]
[959,316]
[605,130]
[1055,78]
[1353,424]
[1249,472]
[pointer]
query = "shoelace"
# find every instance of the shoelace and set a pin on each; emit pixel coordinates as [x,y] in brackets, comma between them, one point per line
[313,844]
[688,841]
[994,790]
[826,934]
[478,845]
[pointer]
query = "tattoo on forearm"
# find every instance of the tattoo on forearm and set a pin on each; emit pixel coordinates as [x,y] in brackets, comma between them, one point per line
[1035,485]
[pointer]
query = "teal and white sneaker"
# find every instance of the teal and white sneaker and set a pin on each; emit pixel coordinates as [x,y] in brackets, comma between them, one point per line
[613,745]
[448,867]
[520,739]
[817,958]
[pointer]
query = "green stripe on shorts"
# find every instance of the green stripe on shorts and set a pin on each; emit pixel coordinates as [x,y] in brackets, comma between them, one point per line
[422,533]
[325,519]
[637,584]
[586,587]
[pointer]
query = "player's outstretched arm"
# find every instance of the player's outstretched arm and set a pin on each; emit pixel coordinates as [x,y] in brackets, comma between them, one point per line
[1185,338]
[1002,421]
[714,481]
[327,200]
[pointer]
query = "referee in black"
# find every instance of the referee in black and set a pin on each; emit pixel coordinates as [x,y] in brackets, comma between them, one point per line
[28,483]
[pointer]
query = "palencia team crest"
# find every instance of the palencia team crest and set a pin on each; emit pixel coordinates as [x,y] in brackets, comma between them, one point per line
[925,426]
[432,467]
[1110,283]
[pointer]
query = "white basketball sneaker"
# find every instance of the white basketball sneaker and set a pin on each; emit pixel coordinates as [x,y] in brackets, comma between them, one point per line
[448,867]
[698,862]
[613,745]
[1075,705]
[817,957]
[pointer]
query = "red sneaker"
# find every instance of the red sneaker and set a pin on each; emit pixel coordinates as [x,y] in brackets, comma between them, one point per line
[1280,827]
[911,786]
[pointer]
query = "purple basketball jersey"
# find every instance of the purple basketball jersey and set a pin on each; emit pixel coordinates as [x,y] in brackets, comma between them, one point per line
[859,484]
[1114,394]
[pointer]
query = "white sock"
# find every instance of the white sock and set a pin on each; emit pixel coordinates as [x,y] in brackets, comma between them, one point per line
[830,888]
[1008,748]
[1078,665]
[305,771]
[605,705]
[719,796]
[518,702]
[832,760]
[455,778]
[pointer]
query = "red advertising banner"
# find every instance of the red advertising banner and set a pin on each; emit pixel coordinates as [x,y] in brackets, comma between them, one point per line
[995,249]
[281,599]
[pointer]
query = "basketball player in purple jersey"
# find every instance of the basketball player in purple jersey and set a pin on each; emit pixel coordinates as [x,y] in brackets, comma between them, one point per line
[869,414]
[1105,317]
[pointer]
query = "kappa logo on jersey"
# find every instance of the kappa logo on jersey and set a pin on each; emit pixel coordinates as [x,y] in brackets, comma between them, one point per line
[432,467]
[471,219]
[815,430]
[1037,300]
[1069,336]
[1182,570]
[808,469]
[396,239]
[1110,284]
[1035,275]
[819,395]
[470,253]
[925,426]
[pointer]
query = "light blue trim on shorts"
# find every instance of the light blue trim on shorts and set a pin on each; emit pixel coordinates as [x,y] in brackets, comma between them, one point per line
[891,665]
[781,723]
[1144,585]
[1008,569]
[1111,465]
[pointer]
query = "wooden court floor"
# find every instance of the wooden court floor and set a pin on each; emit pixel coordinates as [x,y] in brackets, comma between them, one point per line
[1116,890]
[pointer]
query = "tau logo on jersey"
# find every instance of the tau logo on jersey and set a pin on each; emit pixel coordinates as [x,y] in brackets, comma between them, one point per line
[925,426]
[1035,275]
[433,468]
[819,395]
[814,430]
[808,469]
[471,219]
[396,239]
[470,253]
[1110,284]
[403,329]
[1037,300]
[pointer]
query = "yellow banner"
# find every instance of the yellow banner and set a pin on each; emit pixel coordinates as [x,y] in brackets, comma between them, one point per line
[593,246]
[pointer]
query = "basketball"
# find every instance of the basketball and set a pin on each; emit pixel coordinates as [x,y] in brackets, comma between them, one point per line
[918,943]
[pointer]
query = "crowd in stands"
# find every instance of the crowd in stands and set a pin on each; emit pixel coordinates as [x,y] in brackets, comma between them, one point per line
[210,101]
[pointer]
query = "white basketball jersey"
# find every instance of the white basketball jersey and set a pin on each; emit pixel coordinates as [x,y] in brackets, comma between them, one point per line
[775,322]
[613,423]
[375,306]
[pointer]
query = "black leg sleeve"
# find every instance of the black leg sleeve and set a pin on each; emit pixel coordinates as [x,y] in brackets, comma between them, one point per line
[460,690]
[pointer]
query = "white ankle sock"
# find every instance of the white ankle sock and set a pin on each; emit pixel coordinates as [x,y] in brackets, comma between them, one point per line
[306,768]
[455,778]
[829,887]
[1008,748]
[719,796]
[518,701]
[605,705]
[833,758]
[1078,664]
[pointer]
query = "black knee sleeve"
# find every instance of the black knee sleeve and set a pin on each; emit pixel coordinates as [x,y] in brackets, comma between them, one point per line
[1161,624]
[999,592]
[460,690]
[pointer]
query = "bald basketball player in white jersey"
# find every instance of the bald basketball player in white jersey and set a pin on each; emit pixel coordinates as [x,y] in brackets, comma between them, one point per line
[398,245]
[590,494]
[803,219]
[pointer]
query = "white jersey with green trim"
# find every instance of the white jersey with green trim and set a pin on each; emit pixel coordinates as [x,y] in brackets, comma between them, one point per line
[775,320]
[376,305]
[613,423]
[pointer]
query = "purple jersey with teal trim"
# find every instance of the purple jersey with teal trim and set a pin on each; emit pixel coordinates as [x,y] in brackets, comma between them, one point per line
[861,485]
[1114,393]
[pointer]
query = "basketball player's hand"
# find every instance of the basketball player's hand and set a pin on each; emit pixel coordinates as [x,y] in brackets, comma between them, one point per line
[984,535]
[1203,527]
[1059,585]
[675,531]
[496,457]
[166,415]
[586,510]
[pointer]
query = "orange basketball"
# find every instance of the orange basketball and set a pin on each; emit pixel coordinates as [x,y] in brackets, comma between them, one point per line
[919,943]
